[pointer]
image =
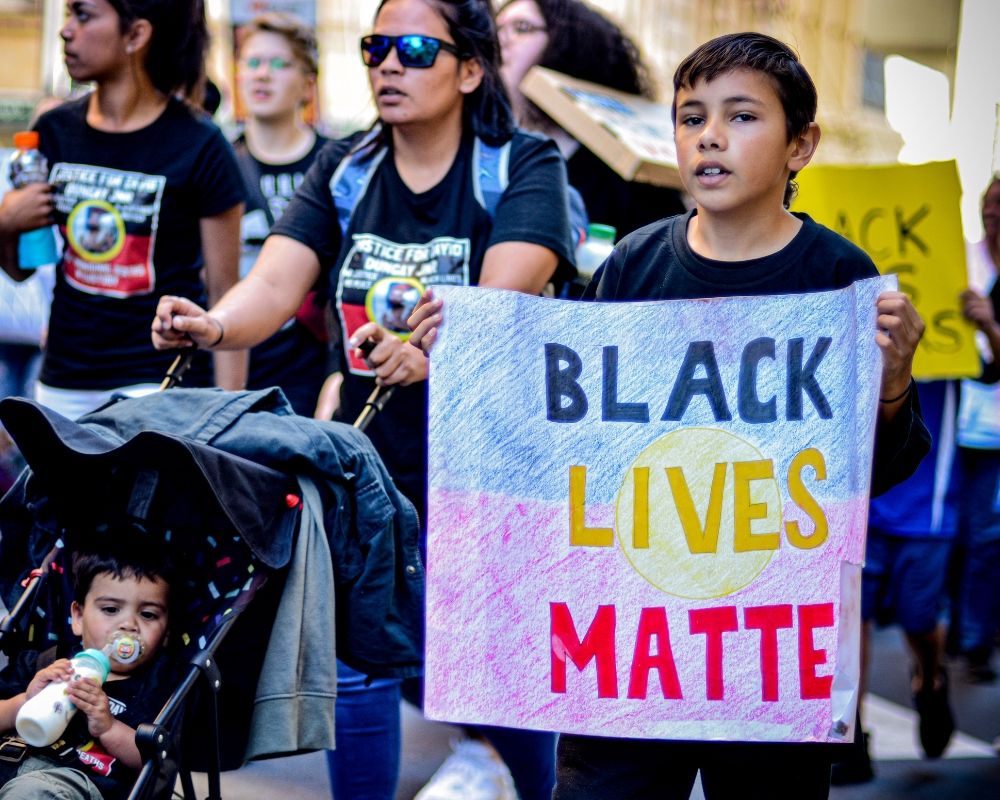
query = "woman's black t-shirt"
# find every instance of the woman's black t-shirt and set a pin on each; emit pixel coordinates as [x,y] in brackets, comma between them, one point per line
[399,242]
[128,206]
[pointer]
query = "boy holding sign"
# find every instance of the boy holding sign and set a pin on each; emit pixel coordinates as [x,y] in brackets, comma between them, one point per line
[744,109]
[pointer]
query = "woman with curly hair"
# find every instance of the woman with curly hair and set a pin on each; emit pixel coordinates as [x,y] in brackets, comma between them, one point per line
[570,37]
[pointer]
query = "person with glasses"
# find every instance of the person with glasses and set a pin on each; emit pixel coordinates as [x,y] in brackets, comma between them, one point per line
[147,197]
[276,78]
[417,214]
[570,37]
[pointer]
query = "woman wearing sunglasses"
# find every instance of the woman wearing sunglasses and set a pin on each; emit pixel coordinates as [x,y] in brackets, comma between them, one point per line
[276,78]
[420,217]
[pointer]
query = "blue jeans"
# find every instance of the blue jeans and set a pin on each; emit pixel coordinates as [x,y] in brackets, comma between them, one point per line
[365,765]
[978,610]
[19,365]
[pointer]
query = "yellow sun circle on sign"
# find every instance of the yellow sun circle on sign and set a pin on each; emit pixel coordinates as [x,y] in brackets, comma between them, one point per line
[699,513]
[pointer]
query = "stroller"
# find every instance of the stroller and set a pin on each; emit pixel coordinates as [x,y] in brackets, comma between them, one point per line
[236,524]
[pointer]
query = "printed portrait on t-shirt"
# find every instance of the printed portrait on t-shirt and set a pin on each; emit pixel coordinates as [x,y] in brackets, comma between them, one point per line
[108,219]
[96,229]
[382,281]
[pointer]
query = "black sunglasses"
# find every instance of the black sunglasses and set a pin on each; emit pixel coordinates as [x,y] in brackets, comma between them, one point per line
[413,50]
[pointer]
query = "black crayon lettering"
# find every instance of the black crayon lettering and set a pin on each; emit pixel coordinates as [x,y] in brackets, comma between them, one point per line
[748,402]
[687,386]
[611,409]
[561,385]
[803,378]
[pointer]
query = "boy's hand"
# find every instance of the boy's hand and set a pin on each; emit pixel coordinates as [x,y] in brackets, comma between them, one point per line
[425,321]
[394,361]
[61,670]
[88,696]
[899,331]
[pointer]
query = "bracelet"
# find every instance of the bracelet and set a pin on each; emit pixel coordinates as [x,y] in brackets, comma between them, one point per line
[891,400]
[222,333]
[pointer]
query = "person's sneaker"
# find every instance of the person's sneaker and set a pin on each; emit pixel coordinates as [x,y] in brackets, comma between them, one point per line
[856,767]
[936,721]
[473,772]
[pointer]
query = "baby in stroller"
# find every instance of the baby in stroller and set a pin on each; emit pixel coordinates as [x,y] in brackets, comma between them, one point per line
[121,584]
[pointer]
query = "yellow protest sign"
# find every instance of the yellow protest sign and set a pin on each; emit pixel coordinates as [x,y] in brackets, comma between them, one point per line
[907,218]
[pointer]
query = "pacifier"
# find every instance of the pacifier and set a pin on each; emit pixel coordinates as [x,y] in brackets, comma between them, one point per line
[125,648]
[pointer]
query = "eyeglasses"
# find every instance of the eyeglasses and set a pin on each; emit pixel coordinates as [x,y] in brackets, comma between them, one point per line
[413,50]
[275,64]
[521,27]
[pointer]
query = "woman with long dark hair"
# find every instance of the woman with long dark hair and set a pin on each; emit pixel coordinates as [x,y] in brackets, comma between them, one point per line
[442,191]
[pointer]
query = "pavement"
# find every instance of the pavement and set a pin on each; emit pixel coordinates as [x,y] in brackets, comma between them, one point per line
[970,769]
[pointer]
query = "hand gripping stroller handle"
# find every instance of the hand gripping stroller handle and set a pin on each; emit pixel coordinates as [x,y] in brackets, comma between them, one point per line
[377,399]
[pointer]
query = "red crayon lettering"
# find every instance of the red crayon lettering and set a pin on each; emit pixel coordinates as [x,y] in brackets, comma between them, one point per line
[653,625]
[598,645]
[768,619]
[811,685]
[713,622]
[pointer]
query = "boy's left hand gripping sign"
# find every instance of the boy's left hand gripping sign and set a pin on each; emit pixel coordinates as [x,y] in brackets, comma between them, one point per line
[648,519]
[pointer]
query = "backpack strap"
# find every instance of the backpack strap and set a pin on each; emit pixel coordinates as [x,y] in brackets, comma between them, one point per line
[489,173]
[351,178]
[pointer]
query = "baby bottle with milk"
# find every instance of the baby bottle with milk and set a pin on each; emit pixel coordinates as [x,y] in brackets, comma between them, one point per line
[44,717]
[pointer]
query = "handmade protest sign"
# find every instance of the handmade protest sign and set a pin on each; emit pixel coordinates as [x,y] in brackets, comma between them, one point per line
[907,218]
[648,519]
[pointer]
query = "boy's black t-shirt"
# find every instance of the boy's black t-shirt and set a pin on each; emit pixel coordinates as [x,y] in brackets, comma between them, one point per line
[400,241]
[656,263]
[293,358]
[128,206]
[134,700]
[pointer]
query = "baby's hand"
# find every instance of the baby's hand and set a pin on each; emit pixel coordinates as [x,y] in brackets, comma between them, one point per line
[61,670]
[88,696]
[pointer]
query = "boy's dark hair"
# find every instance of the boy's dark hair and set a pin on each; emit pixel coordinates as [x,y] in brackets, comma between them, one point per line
[123,553]
[760,53]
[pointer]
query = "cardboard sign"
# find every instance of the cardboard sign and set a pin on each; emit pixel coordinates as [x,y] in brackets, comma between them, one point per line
[908,219]
[632,135]
[655,535]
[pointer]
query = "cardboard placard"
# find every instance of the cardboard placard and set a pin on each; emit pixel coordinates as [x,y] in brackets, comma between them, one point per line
[632,135]
[908,219]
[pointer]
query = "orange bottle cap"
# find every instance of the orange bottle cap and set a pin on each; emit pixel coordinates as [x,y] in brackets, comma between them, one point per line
[26,140]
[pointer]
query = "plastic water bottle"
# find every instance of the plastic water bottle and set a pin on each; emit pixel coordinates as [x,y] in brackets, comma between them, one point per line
[44,717]
[594,250]
[38,247]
